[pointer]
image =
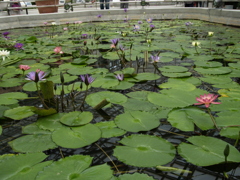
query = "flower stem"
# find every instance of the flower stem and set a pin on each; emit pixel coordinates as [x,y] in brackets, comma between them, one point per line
[213,120]
[82,105]
[40,97]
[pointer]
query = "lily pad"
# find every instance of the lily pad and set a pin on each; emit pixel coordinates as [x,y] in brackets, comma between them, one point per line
[76,137]
[185,118]
[33,143]
[19,113]
[144,151]
[206,151]
[75,167]
[13,165]
[176,75]
[11,98]
[76,118]
[109,129]
[135,121]
[137,176]
[173,69]
[112,97]
[213,71]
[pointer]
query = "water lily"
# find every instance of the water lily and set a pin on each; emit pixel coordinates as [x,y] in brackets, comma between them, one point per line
[207,99]
[155,59]
[87,79]
[136,27]
[24,67]
[5,33]
[78,22]
[125,9]
[45,23]
[99,16]
[120,77]
[149,20]
[196,44]
[54,23]
[58,50]
[84,35]
[65,28]
[4,54]
[36,76]
[19,46]
[188,23]
[140,22]
[210,33]
[152,26]
[115,41]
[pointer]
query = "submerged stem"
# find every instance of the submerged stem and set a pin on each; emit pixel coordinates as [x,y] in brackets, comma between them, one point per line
[40,97]
[108,157]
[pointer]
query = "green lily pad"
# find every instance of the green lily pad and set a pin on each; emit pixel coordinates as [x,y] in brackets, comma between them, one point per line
[11,98]
[147,76]
[67,78]
[76,137]
[173,69]
[216,79]
[19,113]
[12,82]
[112,97]
[208,64]
[213,71]
[122,86]
[152,150]
[206,151]
[13,165]
[178,85]
[75,167]
[51,122]
[230,132]
[135,121]
[185,118]
[34,129]
[174,98]
[33,143]
[142,105]
[109,129]
[176,75]
[76,118]
[137,176]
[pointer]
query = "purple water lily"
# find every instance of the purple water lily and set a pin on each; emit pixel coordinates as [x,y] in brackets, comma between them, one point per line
[87,79]
[155,59]
[99,16]
[152,26]
[149,20]
[5,34]
[19,46]
[140,22]
[115,41]
[125,9]
[36,76]
[136,28]
[120,77]
[188,23]
[84,36]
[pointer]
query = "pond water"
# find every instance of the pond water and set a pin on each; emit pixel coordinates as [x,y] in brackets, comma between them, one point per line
[137,119]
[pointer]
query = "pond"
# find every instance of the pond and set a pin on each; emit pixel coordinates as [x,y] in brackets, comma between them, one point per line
[131,99]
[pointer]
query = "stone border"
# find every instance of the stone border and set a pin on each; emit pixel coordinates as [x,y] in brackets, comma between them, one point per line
[223,16]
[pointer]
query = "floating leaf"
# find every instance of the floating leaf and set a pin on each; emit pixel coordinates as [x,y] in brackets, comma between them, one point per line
[136,176]
[216,79]
[112,97]
[34,129]
[206,151]
[173,69]
[76,118]
[76,137]
[19,113]
[231,132]
[109,129]
[178,85]
[141,105]
[33,143]
[144,151]
[135,121]
[185,118]
[13,166]
[11,98]
[175,75]
[208,64]
[75,167]
[147,76]
[219,70]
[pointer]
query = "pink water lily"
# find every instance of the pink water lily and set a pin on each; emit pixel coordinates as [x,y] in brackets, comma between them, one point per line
[58,50]
[24,67]
[207,99]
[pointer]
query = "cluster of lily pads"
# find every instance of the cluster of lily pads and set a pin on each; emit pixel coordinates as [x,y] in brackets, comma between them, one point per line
[73,71]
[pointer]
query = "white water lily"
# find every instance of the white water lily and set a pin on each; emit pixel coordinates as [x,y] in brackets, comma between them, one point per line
[54,23]
[196,44]
[210,33]
[4,54]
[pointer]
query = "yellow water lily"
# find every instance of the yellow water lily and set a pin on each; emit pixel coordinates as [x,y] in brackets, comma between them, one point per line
[196,44]
[210,33]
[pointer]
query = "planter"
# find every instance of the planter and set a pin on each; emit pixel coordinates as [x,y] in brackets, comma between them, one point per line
[47,9]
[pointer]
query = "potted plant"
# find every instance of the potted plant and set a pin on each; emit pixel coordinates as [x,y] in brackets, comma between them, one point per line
[52,9]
